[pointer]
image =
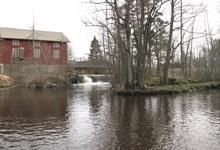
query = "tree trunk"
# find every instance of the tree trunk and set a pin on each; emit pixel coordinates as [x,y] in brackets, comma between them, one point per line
[169,45]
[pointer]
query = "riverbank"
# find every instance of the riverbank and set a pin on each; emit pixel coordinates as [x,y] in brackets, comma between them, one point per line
[170,89]
[45,82]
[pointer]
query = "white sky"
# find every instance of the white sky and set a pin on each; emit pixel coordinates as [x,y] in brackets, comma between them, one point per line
[66,16]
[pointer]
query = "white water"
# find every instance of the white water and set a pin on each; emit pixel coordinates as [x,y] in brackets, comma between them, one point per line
[87,79]
[88,83]
[93,84]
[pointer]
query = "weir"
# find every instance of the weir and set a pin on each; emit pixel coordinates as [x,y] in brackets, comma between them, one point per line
[87,83]
[89,78]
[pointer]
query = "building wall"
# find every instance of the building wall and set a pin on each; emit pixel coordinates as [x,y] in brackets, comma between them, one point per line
[24,73]
[46,56]
[25,70]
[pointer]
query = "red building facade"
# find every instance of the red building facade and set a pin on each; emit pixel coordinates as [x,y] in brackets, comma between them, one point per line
[43,49]
[27,49]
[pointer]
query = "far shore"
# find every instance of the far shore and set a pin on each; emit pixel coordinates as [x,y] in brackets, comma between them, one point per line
[150,90]
[169,89]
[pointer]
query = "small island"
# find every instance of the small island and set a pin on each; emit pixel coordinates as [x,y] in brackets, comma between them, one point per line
[170,89]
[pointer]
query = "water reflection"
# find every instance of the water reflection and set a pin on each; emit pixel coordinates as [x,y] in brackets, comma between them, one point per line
[34,104]
[89,117]
[32,119]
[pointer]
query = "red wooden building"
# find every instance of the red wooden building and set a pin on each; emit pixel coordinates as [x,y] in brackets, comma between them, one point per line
[31,50]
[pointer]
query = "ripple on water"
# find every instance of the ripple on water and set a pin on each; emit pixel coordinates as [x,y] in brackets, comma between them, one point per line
[89,117]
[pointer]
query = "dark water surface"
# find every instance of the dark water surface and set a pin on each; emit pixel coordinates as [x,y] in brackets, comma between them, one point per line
[90,118]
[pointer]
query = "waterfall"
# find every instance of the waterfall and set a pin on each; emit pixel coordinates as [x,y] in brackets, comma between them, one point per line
[87,79]
[88,82]
[92,80]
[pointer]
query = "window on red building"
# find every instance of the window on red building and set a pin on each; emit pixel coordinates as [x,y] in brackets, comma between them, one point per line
[15,52]
[56,54]
[36,53]
[56,45]
[21,53]
[36,43]
[15,42]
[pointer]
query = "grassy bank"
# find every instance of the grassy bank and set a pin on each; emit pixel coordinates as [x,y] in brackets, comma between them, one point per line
[170,89]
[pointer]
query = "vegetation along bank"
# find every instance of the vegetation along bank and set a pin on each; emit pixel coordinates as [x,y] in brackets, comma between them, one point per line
[170,89]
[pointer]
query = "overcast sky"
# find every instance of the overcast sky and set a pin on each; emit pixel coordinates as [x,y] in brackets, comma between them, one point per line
[66,16]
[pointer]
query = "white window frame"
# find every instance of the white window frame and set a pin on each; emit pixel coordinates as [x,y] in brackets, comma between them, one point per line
[21,53]
[56,45]
[56,53]
[36,43]
[15,52]
[36,53]
[15,42]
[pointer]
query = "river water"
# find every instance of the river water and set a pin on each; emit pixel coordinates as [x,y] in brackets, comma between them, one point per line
[88,117]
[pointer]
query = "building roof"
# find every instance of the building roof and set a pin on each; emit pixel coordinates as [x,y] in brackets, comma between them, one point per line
[12,33]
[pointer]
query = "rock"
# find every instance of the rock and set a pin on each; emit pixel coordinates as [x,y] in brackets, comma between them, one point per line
[5,81]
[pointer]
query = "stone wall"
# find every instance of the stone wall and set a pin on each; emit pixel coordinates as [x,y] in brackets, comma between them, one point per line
[24,73]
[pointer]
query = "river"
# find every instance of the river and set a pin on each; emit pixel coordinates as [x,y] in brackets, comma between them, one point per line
[88,117]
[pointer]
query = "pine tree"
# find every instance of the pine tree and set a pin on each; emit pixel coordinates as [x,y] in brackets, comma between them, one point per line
[95,50]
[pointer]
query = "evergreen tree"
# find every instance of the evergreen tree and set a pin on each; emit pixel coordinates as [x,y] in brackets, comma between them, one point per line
[95,50]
